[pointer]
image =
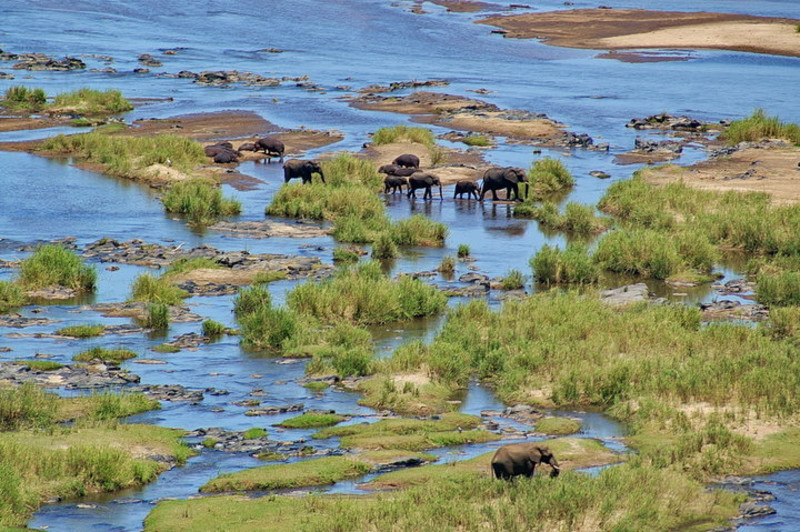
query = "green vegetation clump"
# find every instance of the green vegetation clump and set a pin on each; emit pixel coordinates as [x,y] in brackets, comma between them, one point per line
[577,219]
[165,348]
[213,329]
[477,140]
[557,426]
[91,102]
[157,316]
[779,289]
[419,230]
[152,289]
[642,252]
[43,365]
[81,331]
[306,421]
[26,406]
[574,264]
[313,472]
[11,296]
[184,265]
[384,248]
[388,135]
[52,265]
[105,355]
[346,169]
[363,294]
[549,175]
[21,98]
[514,280]
[463,251]
[448,265]
[269,277]
[200,201]
[254,433]
[759,126]
[125,156]
[345,254]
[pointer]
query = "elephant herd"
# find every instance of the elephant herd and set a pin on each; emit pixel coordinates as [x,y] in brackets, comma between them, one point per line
[405,171]
[223,153]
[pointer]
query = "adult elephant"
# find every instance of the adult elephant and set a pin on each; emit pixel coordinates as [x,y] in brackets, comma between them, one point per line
[394,184]
[271,147]
[507,178]
[521,459]
[466,187]
[423,180]
[302,169]
[407,160]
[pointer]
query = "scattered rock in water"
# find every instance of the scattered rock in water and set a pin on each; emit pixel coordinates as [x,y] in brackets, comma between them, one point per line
[649,145]
[272,410]
[149,61]
[733,310]
[19,321]
[625,295]
[751,509]
[71,377]
[52,293]
[667,122]
[138,310]
[735,286]
[599,174]
[267,229]
[44,62]
[171,392]
[236,442]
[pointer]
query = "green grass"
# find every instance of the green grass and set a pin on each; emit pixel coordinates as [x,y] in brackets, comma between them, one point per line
[549,175]
[384,248]
[125,156]
[81,331]
[573,265]
[269,277]
[25,406]
[312,472]
[91,102]
[200,201]
[157,316]
[165,348]
[418,230]
[21,98]
[104,355]
[345,254]
[779,289]
[152,289]
[254,433]
[463,251]
[305,421]
[448,265]
[642,252]
[183,266]
[514,280]
[52,265]
[43,365]
[388,135]
[759,126]
[11,296]
[346,169]
[213,329]
[557,426]
[477,140]
[577,219]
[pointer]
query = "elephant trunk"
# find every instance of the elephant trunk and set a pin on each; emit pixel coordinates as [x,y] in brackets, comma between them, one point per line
[321,177]
[556,469]
[440,192]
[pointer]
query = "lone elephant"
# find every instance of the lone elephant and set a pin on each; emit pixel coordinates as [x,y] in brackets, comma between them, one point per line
[466,187]
[423,180]
[271,147]
[407,160]
[507,178]
[302,169]
[394,184]
[521,459]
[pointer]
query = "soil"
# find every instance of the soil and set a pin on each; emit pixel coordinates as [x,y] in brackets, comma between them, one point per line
[465,6]
[774,171]
[622,29]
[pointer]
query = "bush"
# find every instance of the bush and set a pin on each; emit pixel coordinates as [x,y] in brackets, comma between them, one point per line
[384,248]
[156,290]
[759,126]
[104,355]
[213,329]
[463,251]
[401,133]
[20,98]
[268,327]
[91,102]
[640,252]
[514,280]
[573,265]
[346,169]
[157,316]
[418,230]
[549,175]
[53,265]
[200,201]
[11,296]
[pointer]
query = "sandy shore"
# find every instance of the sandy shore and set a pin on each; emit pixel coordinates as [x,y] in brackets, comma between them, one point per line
[624,29]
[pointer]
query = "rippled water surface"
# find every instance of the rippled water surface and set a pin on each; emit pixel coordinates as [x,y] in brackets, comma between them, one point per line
[339,45]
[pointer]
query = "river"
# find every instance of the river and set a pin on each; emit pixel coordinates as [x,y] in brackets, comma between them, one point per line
[338,44]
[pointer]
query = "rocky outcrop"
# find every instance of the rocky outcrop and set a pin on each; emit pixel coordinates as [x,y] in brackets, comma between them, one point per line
[44,62]
[625,295]
[667,122]
[71,377]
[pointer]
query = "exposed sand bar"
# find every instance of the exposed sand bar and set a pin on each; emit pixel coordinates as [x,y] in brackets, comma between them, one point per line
[624,29]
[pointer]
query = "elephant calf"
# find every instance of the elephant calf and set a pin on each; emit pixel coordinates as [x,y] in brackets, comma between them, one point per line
[407,160]
[466,187]
[394,184]
[271,146]
[521,459]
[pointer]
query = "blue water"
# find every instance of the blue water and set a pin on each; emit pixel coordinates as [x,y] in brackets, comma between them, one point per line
[337,44]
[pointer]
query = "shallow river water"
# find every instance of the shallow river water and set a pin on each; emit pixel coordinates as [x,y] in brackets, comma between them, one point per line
[338,44]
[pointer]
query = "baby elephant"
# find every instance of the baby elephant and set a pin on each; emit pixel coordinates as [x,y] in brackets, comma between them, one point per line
[466,187]
[394,184]
[407,160]
[521,459]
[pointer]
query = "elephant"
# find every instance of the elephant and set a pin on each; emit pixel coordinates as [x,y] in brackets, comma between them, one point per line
[423,180]
[497,178]
[466,187]
[272,147]
[407,160]
[394,183]
[213,149]
[521,459]
[227,156]
[248,146]
[302,169]
[398,171]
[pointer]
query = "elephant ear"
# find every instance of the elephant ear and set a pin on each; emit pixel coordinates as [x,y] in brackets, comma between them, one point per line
[515,175]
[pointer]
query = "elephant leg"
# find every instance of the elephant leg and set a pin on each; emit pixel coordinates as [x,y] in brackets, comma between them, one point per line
[494,195]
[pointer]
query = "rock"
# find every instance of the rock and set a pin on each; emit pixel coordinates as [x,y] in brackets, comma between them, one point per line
[272,410]
[665,121]
[625,295]
[599,174]
[171,392]
[474,278]
[650,146]
[751,509]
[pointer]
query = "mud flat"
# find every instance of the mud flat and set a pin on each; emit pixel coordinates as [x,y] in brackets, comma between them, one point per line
[626,29]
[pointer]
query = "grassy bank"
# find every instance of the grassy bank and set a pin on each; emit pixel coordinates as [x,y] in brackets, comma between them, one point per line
[200,201]
[52,265]
[759,126]
[83,101]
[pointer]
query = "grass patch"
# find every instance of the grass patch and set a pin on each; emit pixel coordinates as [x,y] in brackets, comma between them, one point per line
[316,386]
[115,356]
[477,141]
[151,289]
[184,265]
[269,277]
[254,433]
[463,251]
[157,317]
[213,329]
[573,265]
[345,254]
[577,219]
[384,248]
[402,133]
[43,365]
[448,265]
[305,421]
[125,156]
[759,126]
[21,98]
[52,265]
[557,426]
[419,230]
[82,331]
[779,289]
[514,280]
[200,201]
[549,175]
[90,102]
[25,406]
[11,296]
[313,472]
[165,348]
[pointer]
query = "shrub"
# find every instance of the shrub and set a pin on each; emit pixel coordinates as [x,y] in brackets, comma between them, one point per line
[267,327]
[573,265]
[213,329]
[200,201]
[463,251]
[420,135]
[20,98]
[105,355]
[157,316]
[549,175]
[759,126]
[640,252]
[418,230]
[53,265]
[81,331]
[252,299]
[384,248]
[11,296]
[514,280]
[156,290]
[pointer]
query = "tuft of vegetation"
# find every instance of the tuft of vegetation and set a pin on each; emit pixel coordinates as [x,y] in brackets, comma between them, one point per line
[11,296]
[104,355]
[213,329]
[402,133]
[269,277]
[641,252]
[419,230]
[152,289]
[759,126]
[25,406]
[549,175]
[200,201]
[514,280]
[90,102]
[577,219]
[184,265]
[551,265]
[448,265]
[463,251]
[21,98]
[384,248]
[779,289]
[345,254]
[125,156]
[306,421]
[81,331]
[43,365]
[157,316]
[557,426]
[254,433]
[52,265]
[477,141]
[165,348]
[346,169]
